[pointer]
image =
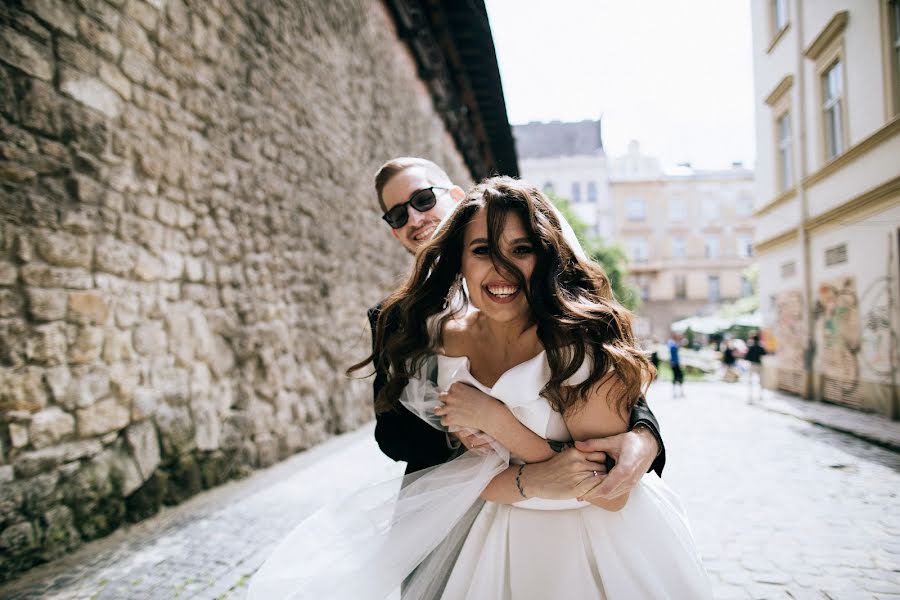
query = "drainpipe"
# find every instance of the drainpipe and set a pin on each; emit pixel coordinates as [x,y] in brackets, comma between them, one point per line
[893,243]
[810,350]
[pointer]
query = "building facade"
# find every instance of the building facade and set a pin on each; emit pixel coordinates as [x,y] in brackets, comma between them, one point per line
[688,235]
[827,80]
[568,160]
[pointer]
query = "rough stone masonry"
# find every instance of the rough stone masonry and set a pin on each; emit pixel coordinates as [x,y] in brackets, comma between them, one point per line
[188,244]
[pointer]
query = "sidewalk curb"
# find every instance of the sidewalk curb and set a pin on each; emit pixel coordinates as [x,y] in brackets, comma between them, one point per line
[888,444]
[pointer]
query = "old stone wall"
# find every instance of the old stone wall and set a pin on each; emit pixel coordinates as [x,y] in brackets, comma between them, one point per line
[189,241]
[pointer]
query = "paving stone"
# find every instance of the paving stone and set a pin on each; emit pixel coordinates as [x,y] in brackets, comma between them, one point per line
[805,594]
[784,524]
[881,586]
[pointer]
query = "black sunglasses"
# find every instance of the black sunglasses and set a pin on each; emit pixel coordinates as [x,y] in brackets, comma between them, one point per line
[421,200]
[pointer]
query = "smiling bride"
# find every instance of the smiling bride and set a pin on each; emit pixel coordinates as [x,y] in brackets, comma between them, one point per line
[504,300]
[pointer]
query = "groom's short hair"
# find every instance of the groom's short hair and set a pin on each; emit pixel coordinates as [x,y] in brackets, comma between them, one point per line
[436,175]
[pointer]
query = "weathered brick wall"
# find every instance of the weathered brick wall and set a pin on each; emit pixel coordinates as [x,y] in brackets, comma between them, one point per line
[189,241]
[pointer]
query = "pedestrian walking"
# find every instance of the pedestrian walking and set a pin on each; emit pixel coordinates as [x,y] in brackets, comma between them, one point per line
[654,359]
[755,352]
[729,361]
[675,363]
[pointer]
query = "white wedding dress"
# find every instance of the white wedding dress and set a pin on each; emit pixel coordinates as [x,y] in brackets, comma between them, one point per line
[540,549]
[445,543]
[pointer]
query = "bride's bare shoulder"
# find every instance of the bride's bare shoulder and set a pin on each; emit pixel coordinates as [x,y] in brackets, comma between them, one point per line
[456,335]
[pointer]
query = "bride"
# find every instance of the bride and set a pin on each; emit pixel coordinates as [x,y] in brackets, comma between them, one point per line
[546,344]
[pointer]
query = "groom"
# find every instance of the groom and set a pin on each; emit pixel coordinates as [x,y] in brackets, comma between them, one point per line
[415,194]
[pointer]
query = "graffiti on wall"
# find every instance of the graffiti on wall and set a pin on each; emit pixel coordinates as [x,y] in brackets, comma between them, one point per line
[878,341]
[838,339]
[854,334]
[789,330]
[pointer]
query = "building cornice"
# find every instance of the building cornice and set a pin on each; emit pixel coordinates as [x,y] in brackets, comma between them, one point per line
[774,241]
[835,27]
[780,90]
[868,201]
[777,38]
[454,51]
[855,152]
[780,199]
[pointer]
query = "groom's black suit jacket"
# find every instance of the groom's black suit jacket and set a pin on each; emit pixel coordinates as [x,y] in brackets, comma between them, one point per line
[404,436]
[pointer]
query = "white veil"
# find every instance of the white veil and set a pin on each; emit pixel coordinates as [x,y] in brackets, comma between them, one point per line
[368,544]
[405,532]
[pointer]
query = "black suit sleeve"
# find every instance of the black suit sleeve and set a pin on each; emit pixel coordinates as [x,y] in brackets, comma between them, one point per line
[641,414]
[400,434]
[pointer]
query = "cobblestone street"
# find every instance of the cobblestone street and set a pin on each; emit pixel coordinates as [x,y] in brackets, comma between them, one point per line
[781,508]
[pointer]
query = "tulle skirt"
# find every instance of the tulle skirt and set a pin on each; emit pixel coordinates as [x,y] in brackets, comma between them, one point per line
[432,534]
[644,550]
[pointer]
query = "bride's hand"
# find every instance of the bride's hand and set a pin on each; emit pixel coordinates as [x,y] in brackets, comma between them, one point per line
[467,407]
[569,474]
[472,439]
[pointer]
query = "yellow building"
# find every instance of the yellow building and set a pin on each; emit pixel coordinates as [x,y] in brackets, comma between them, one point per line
[689,238]
[827,86]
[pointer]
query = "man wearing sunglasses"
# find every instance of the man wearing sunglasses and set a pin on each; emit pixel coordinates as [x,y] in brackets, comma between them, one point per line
[415,194]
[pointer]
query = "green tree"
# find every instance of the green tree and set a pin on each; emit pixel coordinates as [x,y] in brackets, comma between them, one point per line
[611,256]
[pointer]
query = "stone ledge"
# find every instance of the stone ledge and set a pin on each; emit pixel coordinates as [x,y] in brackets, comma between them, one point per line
[869,427]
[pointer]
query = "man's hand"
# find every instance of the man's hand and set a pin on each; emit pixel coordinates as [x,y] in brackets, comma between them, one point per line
[569,474]
[633,451]
[467,407]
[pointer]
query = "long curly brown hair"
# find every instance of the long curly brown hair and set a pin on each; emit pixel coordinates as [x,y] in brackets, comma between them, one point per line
[571,303]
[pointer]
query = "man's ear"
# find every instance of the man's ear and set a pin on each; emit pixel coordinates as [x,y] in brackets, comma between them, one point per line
[394,233]
[457,193]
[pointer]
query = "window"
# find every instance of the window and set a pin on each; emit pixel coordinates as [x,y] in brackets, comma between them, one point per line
[744,206]
[779,15]
[636,209]
[745,246]
[677,209]
[832,101]
[679,247]
[645,291]
[592,191]
[548,187]
[836,255]
[713,282]
[788,269]
[784,158]
[639,250]
[827,50]
[711,246]
[778,21]
[576,192]
[680,287]
[746,287]
[710,208]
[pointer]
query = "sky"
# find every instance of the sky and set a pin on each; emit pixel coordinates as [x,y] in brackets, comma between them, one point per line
[676,75]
